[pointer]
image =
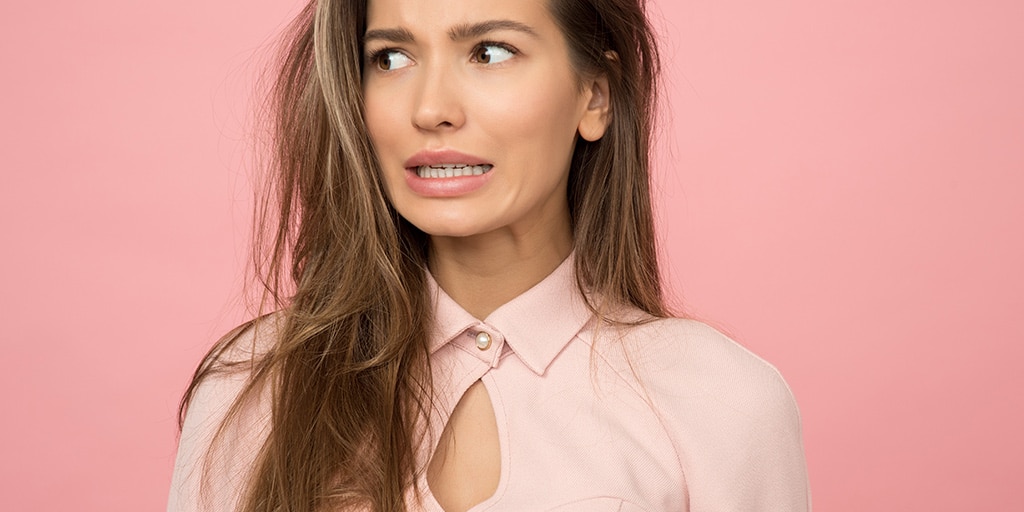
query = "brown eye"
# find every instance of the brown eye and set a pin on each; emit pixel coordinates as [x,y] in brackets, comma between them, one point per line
[492,53]
[390,60]
[483,55]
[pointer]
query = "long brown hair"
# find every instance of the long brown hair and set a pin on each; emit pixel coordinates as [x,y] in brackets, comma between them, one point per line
[347,370]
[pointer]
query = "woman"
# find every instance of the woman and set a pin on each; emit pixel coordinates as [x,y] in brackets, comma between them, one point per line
[472,316]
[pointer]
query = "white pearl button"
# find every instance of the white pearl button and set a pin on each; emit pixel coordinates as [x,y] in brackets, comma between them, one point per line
[483,340]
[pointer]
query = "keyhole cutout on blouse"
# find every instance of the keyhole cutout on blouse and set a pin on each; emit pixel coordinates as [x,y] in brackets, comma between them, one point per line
[466,467]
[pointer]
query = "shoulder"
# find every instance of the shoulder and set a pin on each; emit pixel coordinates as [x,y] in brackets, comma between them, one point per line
[226,420]
[228,368]
[731,416]
[689,356]
[676,356]
[249,342]
[686,363]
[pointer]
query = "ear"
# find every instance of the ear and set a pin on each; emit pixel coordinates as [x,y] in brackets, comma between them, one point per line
[598,113]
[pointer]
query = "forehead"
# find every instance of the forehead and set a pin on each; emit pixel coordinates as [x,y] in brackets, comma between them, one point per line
[428,16]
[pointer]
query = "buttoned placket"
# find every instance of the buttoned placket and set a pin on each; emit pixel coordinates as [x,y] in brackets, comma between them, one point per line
[470,355]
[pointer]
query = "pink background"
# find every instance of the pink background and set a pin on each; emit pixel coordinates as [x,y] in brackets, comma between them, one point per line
[840,189]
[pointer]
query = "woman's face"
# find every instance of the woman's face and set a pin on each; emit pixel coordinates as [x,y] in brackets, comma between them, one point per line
[473,109]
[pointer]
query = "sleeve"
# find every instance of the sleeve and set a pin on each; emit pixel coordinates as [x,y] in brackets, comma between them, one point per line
[208,475]
[734,423]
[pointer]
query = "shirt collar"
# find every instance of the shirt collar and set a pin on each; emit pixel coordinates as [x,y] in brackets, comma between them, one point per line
[536,325]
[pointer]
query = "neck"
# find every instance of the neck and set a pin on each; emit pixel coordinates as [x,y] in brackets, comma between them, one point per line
[483,272]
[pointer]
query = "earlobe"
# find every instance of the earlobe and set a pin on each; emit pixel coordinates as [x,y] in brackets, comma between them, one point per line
[598,113]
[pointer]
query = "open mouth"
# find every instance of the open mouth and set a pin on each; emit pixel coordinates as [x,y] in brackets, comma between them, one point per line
[451,170]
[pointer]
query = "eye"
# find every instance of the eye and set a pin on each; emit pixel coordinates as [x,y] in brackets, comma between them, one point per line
[390,60]
[492,53]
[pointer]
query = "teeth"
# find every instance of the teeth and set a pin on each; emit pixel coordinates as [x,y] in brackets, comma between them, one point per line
[451,170]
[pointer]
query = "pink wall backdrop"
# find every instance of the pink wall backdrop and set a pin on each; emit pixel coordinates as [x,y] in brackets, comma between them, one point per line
[840,189]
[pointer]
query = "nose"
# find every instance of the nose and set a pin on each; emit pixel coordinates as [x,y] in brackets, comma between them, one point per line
[438,105]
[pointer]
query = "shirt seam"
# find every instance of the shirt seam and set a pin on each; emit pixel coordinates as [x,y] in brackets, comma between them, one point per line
[645,397]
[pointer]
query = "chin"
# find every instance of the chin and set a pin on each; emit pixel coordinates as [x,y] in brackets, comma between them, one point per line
[462,225]
[447,230]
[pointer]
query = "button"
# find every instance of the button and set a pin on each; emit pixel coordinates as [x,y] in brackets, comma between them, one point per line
[483,340]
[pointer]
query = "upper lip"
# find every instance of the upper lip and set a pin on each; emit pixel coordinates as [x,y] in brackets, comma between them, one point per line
[442,156]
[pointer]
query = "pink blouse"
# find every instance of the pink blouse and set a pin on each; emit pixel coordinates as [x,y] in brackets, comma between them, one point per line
[666,416]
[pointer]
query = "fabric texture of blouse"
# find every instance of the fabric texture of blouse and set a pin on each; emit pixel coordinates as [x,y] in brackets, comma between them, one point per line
[669,415]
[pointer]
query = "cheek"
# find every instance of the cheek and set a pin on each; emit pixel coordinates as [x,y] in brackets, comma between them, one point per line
[382,126]
[541,116]
[382,108]
[375,118]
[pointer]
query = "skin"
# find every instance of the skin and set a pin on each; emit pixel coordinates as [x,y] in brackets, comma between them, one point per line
[510,97]
[518,107]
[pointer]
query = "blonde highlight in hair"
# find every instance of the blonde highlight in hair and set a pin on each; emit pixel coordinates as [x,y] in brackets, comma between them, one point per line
[347,371]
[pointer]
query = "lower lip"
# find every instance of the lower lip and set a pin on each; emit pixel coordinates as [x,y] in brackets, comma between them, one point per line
[445,187]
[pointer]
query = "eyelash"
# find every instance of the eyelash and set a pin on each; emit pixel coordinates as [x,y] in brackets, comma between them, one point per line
[373,57]
[483,44]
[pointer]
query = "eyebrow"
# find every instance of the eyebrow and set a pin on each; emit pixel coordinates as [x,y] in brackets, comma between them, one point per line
[475,30]
[457,33]
[394,35]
